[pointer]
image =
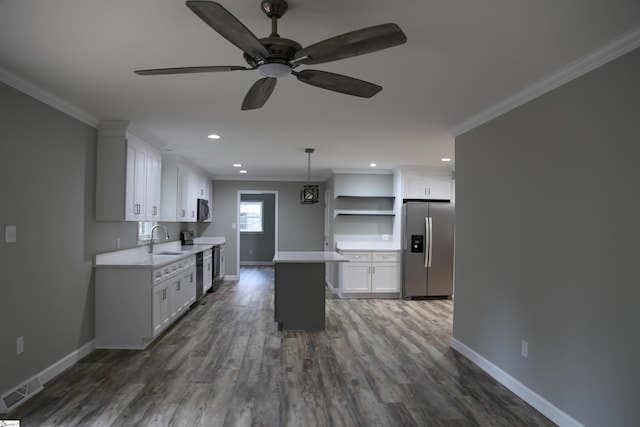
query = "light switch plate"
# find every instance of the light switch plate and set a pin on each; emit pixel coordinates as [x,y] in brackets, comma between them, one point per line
[10,234]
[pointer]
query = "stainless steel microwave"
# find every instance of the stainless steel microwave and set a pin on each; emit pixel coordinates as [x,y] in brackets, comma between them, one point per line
[203,210]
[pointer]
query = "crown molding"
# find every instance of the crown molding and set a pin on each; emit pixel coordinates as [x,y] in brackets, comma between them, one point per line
[606,53]
[41,95]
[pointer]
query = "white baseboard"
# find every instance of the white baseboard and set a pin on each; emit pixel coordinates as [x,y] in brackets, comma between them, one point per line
[334,291]
[543,406]
[66,362]
[51,372]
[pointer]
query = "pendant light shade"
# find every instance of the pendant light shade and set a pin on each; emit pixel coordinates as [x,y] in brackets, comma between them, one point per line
[309,194]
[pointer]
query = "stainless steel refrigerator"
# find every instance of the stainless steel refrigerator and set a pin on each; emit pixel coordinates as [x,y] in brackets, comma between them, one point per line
[427,249]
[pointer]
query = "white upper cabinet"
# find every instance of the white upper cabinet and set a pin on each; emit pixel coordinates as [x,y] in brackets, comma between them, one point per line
[187,182]
[127,176]
[182,186]
[154,170]
[204,188]
[432,185]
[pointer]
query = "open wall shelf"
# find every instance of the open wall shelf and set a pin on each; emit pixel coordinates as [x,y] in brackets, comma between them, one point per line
[371,212]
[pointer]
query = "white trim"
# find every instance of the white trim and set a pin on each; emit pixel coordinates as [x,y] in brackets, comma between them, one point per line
[240,193]
[66,362]
[57,368]
[538,402]
[47,98]
[606,53]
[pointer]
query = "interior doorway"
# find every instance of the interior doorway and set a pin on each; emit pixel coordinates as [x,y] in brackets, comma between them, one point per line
[257,231]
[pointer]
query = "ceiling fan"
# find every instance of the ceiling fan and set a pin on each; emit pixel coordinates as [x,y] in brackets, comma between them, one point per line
[276,57]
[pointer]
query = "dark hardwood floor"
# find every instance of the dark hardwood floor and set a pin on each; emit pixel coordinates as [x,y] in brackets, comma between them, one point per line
[379,363]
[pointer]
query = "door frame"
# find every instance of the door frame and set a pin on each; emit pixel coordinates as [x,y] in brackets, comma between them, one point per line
[240,193]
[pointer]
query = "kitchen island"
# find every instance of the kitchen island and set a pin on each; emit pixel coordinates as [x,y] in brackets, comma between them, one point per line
[300,289]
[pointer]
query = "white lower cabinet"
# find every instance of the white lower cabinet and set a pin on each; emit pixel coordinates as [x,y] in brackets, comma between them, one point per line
[134,305]
[161,314]
[207,268]
[370,272]
[183,290]
[222,260]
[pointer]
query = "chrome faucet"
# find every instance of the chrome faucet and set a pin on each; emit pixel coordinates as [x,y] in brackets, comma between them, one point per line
[166,232]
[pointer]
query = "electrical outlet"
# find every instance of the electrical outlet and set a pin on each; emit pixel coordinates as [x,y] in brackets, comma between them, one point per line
[10,234]
[525,349]
[117,243]
[20,345]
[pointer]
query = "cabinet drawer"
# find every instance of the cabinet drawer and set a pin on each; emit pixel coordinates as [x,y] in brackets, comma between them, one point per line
[386,256]
[358,256]
[158,275]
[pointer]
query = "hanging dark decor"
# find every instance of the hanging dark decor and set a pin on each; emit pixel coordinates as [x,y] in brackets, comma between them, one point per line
[309,193]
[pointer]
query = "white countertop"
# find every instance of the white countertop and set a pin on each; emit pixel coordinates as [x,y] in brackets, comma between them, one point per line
[368,246]
[308,257]
[141,258]
[209,240]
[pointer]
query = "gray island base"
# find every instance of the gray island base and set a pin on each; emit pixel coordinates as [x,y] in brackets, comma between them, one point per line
[300,289]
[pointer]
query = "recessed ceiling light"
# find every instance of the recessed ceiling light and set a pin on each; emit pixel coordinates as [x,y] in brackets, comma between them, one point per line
[446,159]
[237,165]
[373,165]
[243,171]
[213,136]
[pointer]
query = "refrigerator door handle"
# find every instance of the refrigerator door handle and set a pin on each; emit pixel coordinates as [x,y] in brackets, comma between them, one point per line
[429,251]
[426,253]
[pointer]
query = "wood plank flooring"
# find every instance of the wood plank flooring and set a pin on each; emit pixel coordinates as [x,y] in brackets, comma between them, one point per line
[378,363]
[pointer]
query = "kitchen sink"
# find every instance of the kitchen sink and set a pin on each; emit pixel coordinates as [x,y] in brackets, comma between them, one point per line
[171,253]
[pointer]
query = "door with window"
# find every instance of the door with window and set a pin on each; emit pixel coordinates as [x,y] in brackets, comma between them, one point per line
[257,228]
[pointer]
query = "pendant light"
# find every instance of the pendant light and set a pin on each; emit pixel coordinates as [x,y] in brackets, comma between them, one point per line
[309,193]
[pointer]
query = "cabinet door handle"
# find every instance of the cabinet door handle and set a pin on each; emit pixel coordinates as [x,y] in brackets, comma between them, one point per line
[374,270]
[183,213]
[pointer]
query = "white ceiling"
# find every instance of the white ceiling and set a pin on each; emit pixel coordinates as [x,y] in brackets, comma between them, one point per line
[461,58]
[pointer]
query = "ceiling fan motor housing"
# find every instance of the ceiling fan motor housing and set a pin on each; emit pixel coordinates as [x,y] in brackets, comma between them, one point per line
[281,51]
[273,8]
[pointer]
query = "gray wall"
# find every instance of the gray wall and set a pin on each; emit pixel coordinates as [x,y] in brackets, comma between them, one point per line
[300,227]
[260,247]
[548,244]
[47,185]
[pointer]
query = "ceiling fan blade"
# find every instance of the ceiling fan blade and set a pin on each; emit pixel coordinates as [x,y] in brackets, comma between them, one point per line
[355,43]
[338,83]
[228,26]
[187,70]
[259,93]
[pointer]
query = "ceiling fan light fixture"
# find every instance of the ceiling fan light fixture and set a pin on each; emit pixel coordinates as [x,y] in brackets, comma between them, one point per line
[274,69]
